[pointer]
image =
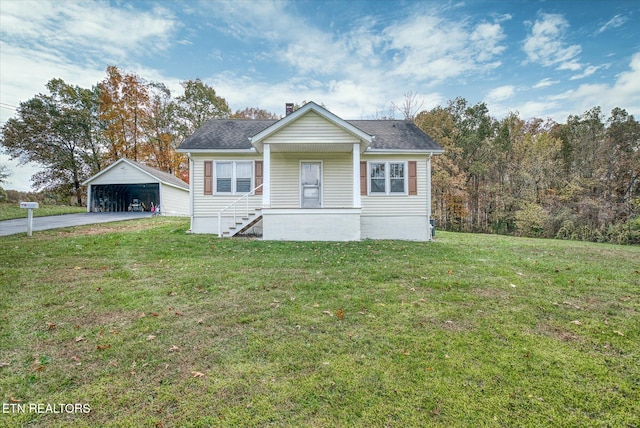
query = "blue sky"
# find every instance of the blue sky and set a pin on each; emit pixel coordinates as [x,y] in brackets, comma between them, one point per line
[546,59]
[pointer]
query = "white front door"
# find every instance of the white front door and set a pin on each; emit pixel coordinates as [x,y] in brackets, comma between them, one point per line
[310,185]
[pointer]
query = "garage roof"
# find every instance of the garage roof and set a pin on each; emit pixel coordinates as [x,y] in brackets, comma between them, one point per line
[156,174]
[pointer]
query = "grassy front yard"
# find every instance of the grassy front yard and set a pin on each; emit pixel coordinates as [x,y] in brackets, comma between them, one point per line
[149,326]
[10,211]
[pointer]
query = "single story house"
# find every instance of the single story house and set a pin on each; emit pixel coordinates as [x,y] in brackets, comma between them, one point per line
[311,176]
[126,185]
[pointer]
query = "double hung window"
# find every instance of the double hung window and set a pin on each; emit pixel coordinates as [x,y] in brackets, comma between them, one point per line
[388,178]
[233,176]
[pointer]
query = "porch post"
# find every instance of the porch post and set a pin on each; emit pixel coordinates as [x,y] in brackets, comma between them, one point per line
[266,176]
[429,197]
[357,202]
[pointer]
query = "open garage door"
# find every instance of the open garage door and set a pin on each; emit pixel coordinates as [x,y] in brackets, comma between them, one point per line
[124,197]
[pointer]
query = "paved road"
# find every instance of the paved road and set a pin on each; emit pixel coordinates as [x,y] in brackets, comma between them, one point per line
[11,227]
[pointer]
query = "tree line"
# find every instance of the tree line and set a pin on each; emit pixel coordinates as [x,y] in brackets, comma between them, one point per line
[574,180]
[74,132]
[538,178]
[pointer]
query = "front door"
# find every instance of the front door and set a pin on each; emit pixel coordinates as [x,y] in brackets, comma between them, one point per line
[311,184]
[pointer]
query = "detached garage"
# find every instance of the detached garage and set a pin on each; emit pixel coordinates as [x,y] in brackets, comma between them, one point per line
[130,186]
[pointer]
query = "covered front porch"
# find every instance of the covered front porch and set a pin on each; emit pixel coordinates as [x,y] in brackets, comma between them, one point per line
[305,193]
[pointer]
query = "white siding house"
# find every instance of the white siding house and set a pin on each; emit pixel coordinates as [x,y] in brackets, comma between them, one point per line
[311,176]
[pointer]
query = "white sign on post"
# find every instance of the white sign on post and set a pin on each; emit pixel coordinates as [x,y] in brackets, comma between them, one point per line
[30,206]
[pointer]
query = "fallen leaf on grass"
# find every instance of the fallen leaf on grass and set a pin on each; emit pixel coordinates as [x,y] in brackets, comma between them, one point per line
[576,322]
[150,337]
[172,293]
[327,313]
[51,326]
[113,363]
[197,374]
[405,352]
[174,348]
[618,332]
[103,347]
[37,367]
[340,314]
[79,339]
[3,364]
[625,298]
[14,400]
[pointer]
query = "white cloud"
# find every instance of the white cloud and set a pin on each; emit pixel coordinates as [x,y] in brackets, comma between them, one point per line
[545,83]
[432,49]
[545,44]
[615,22]
[501,93]
[26,72]
[73,41]
[92,28]
[363,69]
[485,38]
[623,93]
[586,73]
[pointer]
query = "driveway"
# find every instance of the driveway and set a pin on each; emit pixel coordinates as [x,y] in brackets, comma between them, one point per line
[11,227]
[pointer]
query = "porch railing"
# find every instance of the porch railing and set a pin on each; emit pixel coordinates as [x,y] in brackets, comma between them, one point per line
[244,210]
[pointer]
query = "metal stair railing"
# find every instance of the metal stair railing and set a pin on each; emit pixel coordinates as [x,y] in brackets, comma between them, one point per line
[234,205]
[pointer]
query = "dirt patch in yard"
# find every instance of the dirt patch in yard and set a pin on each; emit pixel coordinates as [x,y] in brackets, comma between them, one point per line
[104,228]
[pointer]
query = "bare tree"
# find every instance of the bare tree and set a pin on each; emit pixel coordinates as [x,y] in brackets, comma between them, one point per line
[409,107]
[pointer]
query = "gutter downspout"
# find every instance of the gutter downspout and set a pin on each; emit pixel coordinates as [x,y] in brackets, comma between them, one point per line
[191,203]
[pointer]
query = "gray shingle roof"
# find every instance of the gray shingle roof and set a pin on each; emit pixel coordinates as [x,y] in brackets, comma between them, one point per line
[221,134]
[396,135]
[161,175]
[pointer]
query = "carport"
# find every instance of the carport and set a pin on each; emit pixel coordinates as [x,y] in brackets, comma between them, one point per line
[127,185]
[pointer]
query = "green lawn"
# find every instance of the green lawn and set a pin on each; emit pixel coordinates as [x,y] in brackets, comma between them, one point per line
[149,326]
[10,211]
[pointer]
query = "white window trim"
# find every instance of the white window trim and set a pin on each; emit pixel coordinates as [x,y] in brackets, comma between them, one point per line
[387,178]
[234,177]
